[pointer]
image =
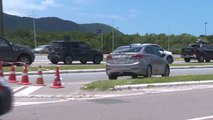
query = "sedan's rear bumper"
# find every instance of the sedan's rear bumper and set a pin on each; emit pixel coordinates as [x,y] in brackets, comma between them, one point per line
[125,70]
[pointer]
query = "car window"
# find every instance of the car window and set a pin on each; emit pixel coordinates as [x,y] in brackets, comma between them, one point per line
[55,45]
[152,50]
[128,49]
[3,43]
[74,45]
[158,48]
[156,51]
[84,45]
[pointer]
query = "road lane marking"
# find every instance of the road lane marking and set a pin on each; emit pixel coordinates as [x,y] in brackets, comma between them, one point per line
[27,91]
[202,118]
[18,89]
[38,103]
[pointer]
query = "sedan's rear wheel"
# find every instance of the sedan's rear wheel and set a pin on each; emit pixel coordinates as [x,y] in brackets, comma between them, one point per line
[148,72]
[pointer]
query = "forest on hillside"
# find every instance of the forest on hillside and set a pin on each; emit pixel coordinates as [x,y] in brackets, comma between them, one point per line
[171,42]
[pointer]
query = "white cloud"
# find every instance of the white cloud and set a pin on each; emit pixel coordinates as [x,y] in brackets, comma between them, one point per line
[25,7]
[50,3]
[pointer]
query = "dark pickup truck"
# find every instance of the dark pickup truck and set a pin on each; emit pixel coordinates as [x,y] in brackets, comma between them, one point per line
[200,51]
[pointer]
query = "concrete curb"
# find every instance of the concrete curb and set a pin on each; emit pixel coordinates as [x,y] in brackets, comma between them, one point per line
[141,86]
[100,70]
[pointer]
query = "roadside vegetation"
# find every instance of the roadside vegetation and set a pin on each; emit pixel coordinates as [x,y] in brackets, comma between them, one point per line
[171,42]
[103,85]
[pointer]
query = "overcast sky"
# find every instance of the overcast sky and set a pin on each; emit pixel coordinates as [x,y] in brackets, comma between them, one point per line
[129,16]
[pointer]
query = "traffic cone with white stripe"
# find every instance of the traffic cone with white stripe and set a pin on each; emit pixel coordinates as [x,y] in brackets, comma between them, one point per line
[12,76]
[24,78]
[1,72]
[40,81]
[57,81]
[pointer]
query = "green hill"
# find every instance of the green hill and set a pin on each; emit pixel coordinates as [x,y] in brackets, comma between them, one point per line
[52,24]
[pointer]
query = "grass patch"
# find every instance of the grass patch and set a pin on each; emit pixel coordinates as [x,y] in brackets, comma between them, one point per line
[53,67]
[85,66]
[110,84]
[191,64]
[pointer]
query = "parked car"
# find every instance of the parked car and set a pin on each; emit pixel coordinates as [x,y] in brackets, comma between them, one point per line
[136,60]
[69,51]
[168,54]
[5,97]
[42,49]
[15,53]
[200,50]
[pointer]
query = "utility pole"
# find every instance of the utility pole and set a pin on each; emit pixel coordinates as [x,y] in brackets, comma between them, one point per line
[113,38]
[1,20]
[205,28]
[34,30]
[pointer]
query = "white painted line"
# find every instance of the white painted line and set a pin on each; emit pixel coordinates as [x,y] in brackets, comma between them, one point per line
[19,88]
[27,91]
[202,118]
[37,103]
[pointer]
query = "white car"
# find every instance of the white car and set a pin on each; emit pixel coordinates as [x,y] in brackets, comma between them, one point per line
[168,55]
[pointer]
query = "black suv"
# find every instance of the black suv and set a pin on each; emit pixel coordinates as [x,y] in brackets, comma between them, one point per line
[15,53]
[68,51]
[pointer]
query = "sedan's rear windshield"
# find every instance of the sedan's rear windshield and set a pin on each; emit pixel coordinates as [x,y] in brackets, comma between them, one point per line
[125,49]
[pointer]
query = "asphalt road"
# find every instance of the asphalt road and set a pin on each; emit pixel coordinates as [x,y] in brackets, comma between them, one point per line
[183,105]
[45,103]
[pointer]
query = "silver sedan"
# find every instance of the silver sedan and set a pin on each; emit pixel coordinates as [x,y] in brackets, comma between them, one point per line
[136,60]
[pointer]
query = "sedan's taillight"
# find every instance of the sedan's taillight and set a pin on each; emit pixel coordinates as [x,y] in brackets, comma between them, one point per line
[109,57]
[137,56]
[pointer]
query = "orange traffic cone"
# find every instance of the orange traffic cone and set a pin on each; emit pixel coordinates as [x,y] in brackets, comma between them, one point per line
[57,81]
[12,76]
[1,72]
[40,81]
[24,78]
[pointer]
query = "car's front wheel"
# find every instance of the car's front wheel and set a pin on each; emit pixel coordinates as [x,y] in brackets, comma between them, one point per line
[68,59]
[187,59]
[112,77]
[25,59]
[170,59]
